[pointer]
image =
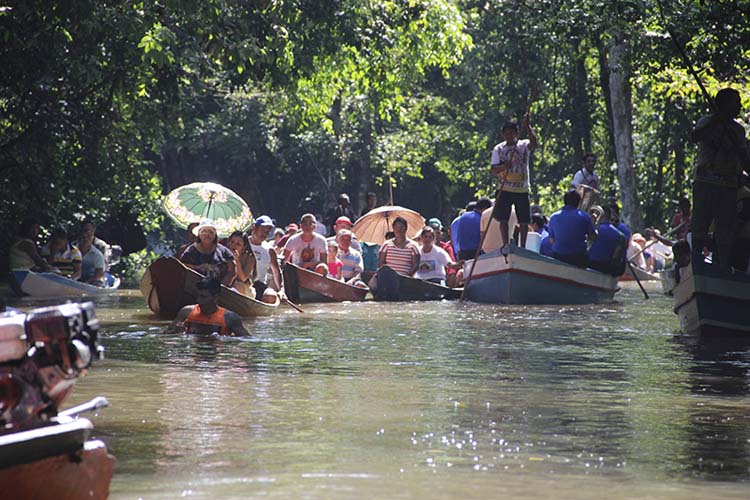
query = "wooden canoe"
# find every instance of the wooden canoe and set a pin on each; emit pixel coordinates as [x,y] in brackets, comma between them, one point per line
[306,286]
[168,286]
[52,285]
[55,462]
[642,275]
[387,284]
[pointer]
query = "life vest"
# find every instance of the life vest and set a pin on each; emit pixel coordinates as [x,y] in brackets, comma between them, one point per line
[197,322]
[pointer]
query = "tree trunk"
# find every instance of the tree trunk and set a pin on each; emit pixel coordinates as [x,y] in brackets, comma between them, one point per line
[607,175]
[622,127]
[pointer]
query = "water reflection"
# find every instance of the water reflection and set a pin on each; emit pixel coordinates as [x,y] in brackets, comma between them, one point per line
[415,400]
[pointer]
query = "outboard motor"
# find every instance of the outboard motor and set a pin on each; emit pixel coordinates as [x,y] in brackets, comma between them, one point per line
[42,354]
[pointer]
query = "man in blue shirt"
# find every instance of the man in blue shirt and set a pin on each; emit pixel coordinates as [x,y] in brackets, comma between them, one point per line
[606,253]
[469,230]
[454,226]
[624,229]
[568,230]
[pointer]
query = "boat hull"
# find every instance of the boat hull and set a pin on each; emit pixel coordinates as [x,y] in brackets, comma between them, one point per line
[50,285]
[709,303]
[640,273]
[55,462]
[168,286]
[306,286]
[526,277]
[388,285]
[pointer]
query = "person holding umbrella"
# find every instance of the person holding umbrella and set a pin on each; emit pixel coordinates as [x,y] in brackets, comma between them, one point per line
[208,256]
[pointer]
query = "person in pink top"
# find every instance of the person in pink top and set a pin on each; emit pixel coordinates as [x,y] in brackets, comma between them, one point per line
[334,263]
[400,253]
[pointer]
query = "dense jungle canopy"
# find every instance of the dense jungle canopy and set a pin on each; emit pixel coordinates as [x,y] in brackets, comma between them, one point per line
[106,105]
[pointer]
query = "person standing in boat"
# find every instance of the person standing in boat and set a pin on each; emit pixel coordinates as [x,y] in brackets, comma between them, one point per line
[268,281]
[207,317]
[510,163]
[586,176]
[308,249]
[400,253]
[722,155]
[208,256]
[372,202]
[569,230]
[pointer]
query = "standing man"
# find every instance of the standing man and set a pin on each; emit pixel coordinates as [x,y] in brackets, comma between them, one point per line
[722,155]
[510,162]
[469,230]
[586,175]
[372,202]
[344,208]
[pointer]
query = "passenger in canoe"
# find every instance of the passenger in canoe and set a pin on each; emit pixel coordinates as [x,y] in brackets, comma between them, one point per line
[400,253]
[207,317]
[605,254]
[267,282]
[443,241]
[245,264]
[344,222]
[433,260]
[93,263]
[569,230]
[62,255]
[351,260]
[334,263]
[469,230]
[23,252]
[308,249]
[191,238]
[208,257]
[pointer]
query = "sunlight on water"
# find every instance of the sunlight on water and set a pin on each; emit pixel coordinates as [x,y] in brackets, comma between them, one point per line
[439,400]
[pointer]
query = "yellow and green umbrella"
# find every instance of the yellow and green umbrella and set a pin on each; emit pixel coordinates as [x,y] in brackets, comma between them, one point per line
[205,200]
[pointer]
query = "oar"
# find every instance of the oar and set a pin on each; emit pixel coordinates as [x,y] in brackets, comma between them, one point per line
[288,302]
[637,280]
[668,233]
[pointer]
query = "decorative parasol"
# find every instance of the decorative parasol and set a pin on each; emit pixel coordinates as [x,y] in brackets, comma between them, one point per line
[206,200]
[372,226]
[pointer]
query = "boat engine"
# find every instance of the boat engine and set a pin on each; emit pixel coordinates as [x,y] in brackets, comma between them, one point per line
[42,354]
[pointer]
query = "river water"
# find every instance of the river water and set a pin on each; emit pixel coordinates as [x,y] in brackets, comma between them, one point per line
[441,400]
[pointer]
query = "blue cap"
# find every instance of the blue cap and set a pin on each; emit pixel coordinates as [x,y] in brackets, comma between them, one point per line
[263,220]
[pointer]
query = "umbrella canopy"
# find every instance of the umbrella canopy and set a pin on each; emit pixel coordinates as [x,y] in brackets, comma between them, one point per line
[372,226]
[205,200]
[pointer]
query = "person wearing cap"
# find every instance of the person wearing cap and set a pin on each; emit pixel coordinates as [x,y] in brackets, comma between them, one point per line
[208,256]
[351,259]
[268,281]
[344,209]
[308,249]
[344,222]
[207,317]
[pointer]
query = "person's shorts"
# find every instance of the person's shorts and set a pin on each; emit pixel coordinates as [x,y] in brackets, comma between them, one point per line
[506,200]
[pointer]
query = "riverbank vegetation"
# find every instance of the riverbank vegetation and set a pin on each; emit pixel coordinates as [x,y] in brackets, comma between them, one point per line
[106,105]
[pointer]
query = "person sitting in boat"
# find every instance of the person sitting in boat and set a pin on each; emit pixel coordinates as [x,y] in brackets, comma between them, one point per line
[23,252]
[681,219]
[191,238]
[469,229]
[245,264]
[682,258]
[207,317]
[605,254]
[635,253]
[586,176]
[659,253]
[344,222]
[62,255]
[93,263]
[351,260]
[268,282]
[208,256]
[454,231]
[400,253]
[291,230]
[433,260]
[452,275]
[308,249]
[105,248]
[333,262]
[569,229]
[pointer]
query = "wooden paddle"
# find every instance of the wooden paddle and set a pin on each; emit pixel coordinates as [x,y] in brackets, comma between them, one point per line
[292,304]
[637,280]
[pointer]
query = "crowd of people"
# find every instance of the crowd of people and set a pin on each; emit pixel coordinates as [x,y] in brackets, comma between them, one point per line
[86,258]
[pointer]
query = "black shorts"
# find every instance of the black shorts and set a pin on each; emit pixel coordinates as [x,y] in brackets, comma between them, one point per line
[501,212]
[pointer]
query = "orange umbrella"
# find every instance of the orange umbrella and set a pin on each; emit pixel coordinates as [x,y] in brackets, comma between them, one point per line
[372,226]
